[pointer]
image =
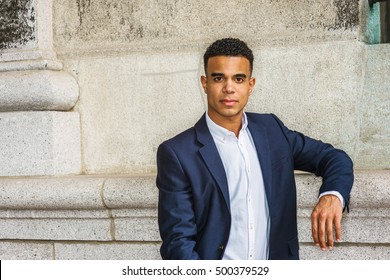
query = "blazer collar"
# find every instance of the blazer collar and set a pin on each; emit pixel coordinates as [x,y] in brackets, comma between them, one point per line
[211,157]
[260,138]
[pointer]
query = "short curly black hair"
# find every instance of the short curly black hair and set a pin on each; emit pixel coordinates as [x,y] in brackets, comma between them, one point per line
[228,47]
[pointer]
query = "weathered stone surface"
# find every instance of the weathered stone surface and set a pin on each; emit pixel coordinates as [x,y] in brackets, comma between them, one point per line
[326,82]
[323,81]
[26,35]
[137,229]
[346,252]
[314,89]
[17,23]
[135,212]
[53,212]
[374,118]
[51,193]
[37,90]
[39,143]
[19,250]
[355,229]
[82,219]
[56,229]
[130,192]
[369,216]
[173,25]
[370,190]
[107,251]
[139,101]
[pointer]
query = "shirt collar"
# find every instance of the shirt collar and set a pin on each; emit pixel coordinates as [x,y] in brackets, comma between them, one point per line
[222,134]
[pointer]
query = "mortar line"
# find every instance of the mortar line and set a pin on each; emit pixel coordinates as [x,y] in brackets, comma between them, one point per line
[110,216]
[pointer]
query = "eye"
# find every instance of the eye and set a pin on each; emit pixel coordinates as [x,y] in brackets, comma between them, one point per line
[218,79]
[240,80]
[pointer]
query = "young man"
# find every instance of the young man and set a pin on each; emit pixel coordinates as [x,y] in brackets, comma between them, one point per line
[226,185]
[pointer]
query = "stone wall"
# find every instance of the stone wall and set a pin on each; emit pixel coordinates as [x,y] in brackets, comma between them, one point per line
[131,56]
[90,88]
[17,26]
[115,217]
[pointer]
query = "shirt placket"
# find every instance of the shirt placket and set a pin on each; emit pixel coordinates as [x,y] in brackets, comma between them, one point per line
[250,215]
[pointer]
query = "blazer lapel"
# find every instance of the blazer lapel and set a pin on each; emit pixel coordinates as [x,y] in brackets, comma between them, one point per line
[260,139]
[211,158]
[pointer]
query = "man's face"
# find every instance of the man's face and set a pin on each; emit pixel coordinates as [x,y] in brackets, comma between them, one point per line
[228,85]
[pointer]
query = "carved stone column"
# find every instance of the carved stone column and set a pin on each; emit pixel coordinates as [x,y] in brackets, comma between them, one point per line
[39,134]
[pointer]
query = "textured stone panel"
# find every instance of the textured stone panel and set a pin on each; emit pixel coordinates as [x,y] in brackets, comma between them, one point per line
[107,251]
[355,229]
[346,252]
[56,229]
[314,89]
[39,143]
[83,24]
[19,250]
[51,193]
[374,118]
[37,90]
[137,229]
[134,212]
[133,192]
[54,213]
[370,190]
[129,104]
[17,23]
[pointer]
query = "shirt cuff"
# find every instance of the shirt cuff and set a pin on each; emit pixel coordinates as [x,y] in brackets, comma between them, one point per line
[336,193]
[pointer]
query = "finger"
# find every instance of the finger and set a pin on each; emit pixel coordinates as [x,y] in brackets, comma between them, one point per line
[329,233]
[314,228]
[337,228]
[322,233]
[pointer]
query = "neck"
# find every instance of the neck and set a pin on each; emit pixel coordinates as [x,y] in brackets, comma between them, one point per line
[233,123]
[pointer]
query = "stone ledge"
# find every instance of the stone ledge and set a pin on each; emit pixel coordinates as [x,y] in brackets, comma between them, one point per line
[83,192]
[39,64]
[370,190]
[17,250]
[346,252]
[47,250]
[123,208]
[37,90]
[107,251]
[46,193]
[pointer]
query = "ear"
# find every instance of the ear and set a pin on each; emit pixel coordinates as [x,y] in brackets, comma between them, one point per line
[203,80]
[252,82]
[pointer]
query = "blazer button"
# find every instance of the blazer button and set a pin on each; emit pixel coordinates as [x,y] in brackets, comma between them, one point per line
[221,247]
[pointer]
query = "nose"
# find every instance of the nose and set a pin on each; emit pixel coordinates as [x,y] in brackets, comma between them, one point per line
[228,86]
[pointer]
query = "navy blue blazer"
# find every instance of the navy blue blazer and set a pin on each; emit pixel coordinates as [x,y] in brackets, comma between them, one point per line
[194,210]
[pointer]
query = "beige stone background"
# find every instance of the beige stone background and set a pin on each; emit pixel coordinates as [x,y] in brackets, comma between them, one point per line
[97,85]
[138,65]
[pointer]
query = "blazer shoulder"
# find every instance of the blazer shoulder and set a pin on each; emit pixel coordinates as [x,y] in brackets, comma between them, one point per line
[262,118]
[189,137]
[182,139]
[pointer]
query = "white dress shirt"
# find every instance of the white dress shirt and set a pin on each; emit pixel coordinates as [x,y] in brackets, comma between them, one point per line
[249,232]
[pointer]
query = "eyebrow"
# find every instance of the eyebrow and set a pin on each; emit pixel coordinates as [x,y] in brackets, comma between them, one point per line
[217,74]
[222,74]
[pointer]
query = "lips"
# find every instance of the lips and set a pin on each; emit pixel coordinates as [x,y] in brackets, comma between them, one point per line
[229,102]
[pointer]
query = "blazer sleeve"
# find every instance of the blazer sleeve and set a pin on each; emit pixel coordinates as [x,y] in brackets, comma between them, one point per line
[333,165]
[176,217]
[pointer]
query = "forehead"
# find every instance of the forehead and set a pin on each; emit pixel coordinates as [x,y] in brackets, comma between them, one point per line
[228,65]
